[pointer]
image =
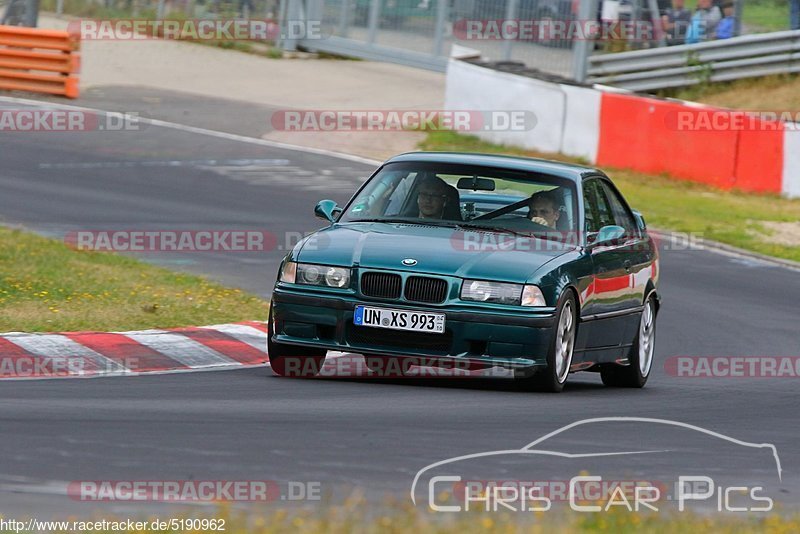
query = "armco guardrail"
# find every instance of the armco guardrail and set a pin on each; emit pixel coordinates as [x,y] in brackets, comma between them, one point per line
[39,61]
[684,65]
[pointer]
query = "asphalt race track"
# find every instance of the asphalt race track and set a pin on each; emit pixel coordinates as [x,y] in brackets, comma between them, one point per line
[345,433]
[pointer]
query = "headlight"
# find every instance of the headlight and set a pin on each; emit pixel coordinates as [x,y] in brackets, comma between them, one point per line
[502,293]
[497,292]
[315,275]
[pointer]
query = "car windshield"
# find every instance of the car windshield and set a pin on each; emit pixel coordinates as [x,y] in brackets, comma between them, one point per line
[467,196]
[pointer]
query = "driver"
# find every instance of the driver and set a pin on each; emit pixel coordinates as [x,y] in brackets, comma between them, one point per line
[545,208]
[432,197]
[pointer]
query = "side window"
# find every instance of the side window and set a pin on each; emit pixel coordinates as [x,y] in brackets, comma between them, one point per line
[604,207]
[596,205]
[622,215]
[590,206]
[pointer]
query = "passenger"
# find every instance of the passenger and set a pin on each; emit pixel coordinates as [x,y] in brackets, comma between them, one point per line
[545,208]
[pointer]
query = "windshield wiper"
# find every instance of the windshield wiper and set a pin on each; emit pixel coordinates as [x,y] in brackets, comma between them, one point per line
[424,222]
[493,229]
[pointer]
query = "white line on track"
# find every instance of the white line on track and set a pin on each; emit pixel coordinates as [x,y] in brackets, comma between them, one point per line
[196,130]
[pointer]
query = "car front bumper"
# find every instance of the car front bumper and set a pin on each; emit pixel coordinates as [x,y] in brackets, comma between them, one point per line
[481,338]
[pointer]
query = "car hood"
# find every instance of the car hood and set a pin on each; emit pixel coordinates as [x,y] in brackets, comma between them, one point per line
[437,250]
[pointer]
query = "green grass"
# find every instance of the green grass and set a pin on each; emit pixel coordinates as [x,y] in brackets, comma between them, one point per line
[766,15]
[769,93]
[47,286]
[734,218]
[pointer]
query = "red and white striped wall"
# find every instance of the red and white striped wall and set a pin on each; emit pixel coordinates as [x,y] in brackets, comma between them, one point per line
[88,354]
[610,127]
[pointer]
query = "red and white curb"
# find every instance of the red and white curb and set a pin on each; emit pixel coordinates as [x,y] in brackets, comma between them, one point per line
[90,354]
[175,350]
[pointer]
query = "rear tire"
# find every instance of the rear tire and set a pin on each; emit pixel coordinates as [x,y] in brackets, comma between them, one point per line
[293,361]
[552,378]
[640,358]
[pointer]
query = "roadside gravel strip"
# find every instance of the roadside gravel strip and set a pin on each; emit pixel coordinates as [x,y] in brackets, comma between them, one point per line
[94,354]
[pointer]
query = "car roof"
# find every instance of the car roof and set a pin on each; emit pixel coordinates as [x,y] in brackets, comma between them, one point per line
[564,170]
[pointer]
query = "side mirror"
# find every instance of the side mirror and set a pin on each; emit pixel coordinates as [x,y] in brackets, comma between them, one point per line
[609,234]
[327,210]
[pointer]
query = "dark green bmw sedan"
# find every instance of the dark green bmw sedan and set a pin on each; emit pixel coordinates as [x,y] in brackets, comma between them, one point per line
[472,261]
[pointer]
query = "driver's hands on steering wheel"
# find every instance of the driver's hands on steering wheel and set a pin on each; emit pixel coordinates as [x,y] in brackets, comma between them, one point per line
[539,220]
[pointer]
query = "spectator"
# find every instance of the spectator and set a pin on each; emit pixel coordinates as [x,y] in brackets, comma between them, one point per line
[676,21]
[795,14]
[704,22]
[727,26]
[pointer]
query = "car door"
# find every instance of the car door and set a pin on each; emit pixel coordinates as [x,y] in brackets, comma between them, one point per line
[607,297]
[639,257]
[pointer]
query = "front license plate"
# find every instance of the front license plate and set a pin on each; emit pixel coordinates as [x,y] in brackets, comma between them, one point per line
[399,319]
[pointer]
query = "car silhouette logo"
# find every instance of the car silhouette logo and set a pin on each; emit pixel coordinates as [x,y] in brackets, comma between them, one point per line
[409,262]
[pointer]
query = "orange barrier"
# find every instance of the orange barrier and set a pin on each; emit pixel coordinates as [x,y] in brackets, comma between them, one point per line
[759,158]
[697,143]
[644,134]
[39,61]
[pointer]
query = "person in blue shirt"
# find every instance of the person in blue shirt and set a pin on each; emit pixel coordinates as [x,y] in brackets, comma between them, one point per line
[795,12]
[727,26]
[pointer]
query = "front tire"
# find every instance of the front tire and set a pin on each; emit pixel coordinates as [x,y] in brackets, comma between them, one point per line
[640,358]
[559,356]
[290,360]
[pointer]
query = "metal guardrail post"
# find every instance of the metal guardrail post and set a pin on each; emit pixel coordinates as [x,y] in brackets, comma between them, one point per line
[374,20]
[582,49]
[441,20]
[655,17]
[31,13]
[738,13]
[282,9]
[291,11]
[512,11]
[344,18]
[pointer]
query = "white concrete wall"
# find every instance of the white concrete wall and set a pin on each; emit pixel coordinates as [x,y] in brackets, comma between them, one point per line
[473,88]
[791,160]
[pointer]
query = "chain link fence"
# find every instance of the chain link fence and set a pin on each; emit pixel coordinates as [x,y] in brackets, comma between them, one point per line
[555,37]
